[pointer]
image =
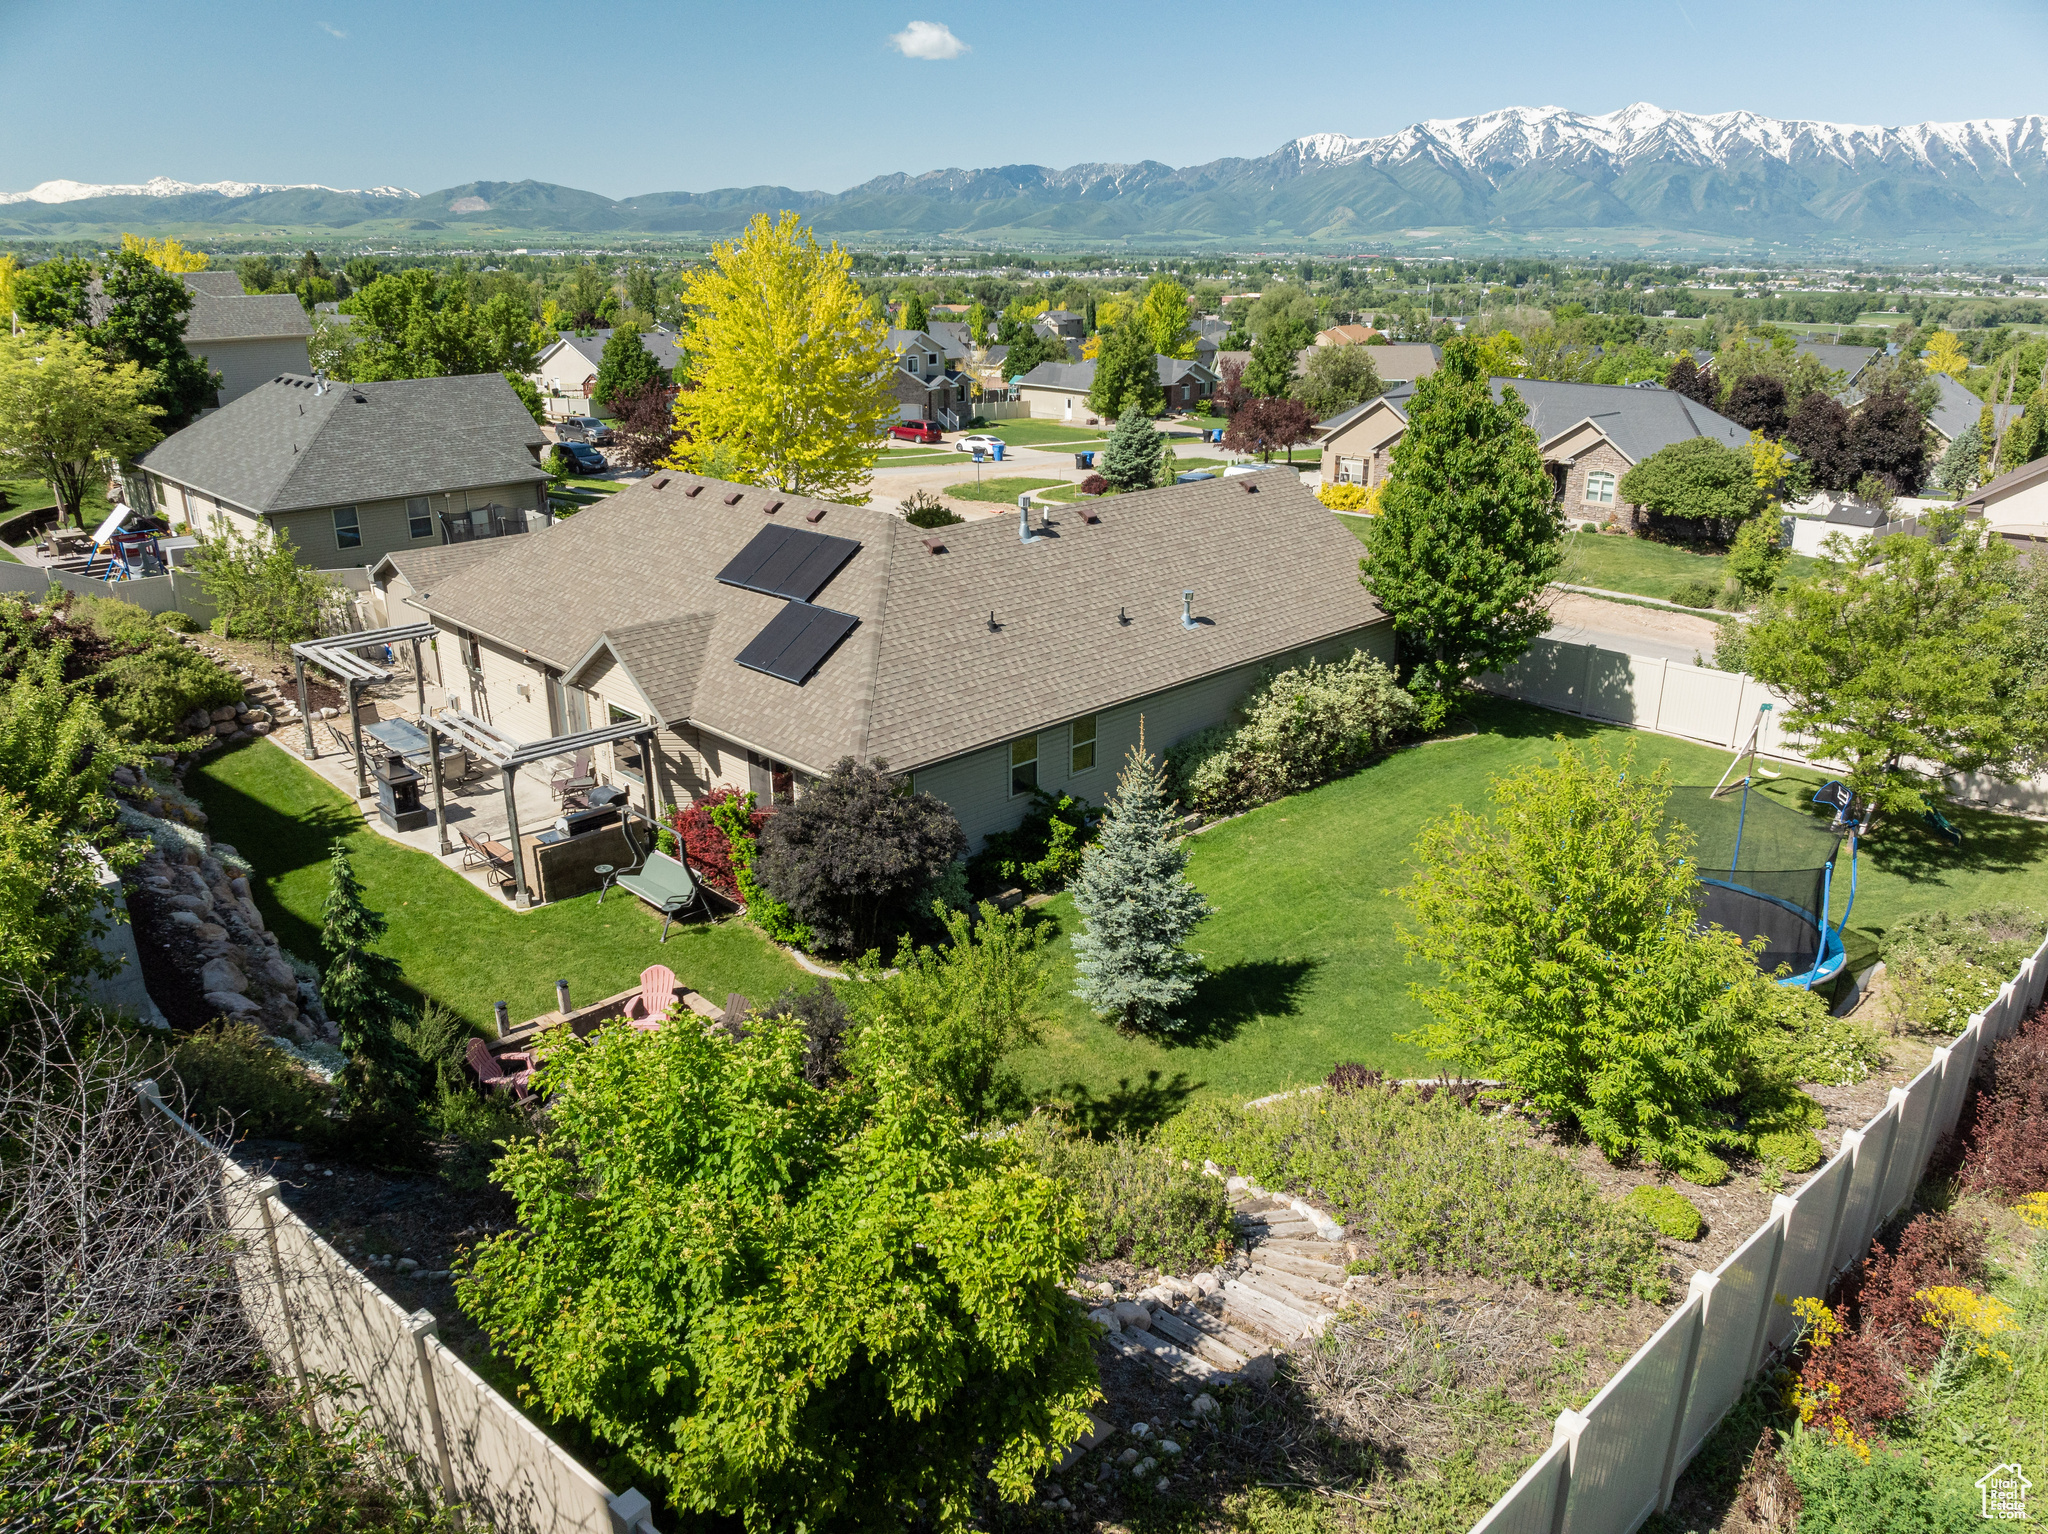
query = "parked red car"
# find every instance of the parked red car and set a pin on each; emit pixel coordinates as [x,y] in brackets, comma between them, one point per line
[917,431]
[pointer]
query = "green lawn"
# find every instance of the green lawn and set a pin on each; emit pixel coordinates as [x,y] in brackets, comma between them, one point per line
[1307,970]
[455,943]
[1044,433]
[1002,490]
[1646,569]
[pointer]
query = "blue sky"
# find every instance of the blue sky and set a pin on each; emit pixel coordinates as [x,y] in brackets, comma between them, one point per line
[631,97]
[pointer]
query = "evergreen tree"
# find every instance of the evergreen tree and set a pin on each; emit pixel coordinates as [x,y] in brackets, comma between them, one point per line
[1467,537]
[914,315]
[1956,474]
[1131,461]
[360,992]
[625,369]
[1137,907]
[1127,370]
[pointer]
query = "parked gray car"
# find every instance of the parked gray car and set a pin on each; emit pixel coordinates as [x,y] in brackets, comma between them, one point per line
[585,428]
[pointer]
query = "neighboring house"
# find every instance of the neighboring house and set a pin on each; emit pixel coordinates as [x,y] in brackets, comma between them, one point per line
[1345,335]
[1590,435]
[355,471]
[2015,503]
[247,338]
[926,384]
[1849,361]
[1064,323]
[978,665]
[1957,410]
[566,373]
[1058,391]
[1406,361]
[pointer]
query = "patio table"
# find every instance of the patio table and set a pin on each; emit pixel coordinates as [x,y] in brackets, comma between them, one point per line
[407,739]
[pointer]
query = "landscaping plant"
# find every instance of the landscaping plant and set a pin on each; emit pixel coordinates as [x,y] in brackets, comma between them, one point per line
[1045,850]
[833,1308]
[851,856]
[732,812]
[951,1013]
[1665,1207]
[1143,1205]
[1938,968]
[379,1088]
[1131,460]
[261,589]
[66,414]
[1137,907]
[1427,1184]
[1572,965]
[1467,537]
[924,510]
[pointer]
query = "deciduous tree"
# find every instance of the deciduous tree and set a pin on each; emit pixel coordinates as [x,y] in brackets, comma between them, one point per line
[788,366]
[1945,354]
[1819,429]
[1572,965]
[645,424]
[1907,650]
[53,293]
[832,1309]
[1270,373]
[166,255]
[1889,436]
[1336,378]
[1165,310]
[1267,426]
[1137,907]
[67,415]
[1698,480]
[145,325]
[1127,371]
[1757,403]
[1467,537]
[261,590]
[1686,378]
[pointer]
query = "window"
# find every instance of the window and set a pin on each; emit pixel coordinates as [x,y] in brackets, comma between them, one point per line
[419,516]
[1600,488]
[1081,745]
[625,753]
[348,534]
[1023,765]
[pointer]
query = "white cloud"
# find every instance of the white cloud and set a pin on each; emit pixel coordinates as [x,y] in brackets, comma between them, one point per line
[331,31]
[928,40]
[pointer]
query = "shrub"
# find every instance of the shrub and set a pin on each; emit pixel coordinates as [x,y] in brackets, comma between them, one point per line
[1142,1204]
[705,842]
[1844,1490]
[1342,497]
[177,622]
[851,855]
[1043,853]
[2006,1128]
[147,681]
[1666,1208]
[733,814]
[923,509]
[1934,1251]
[1432,1187]
[1790,1150]
[1298,727]
[233,1074]
[790,1305]
[824,1022]
[473,1127]
[1940,968]
[1094,484]
[440,1041]
[1693,593]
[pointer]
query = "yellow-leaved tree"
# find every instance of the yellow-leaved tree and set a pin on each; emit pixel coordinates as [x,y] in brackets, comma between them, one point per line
[1166,316]
[166,255]
[789,367]
[1945,354]
[9,270]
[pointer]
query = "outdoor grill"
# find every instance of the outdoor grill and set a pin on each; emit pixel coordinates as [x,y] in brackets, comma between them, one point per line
[580,822]
[398,794]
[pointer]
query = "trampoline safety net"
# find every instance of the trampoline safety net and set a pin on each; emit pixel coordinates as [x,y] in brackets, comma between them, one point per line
[1763,870]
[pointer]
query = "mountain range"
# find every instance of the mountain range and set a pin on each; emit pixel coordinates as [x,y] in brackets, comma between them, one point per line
[1641,179]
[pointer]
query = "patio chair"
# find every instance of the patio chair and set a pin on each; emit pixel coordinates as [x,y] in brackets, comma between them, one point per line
[342,739]
[578,779]
[664,883]
[489,1070]
[366,711]
[657,997]
[481,849]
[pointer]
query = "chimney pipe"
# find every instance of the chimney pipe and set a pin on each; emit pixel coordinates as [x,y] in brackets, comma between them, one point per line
[1187,609]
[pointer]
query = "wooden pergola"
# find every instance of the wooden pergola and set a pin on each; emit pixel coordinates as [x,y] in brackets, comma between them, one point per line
[489,743]
[336,656]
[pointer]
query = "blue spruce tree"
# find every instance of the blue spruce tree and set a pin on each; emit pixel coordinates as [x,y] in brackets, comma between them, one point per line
[1137,907]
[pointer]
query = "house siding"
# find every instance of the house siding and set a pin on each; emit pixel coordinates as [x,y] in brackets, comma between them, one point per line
[243,364]
[977,785]
[1366,445]
[385,525]
[1055,404]
[1601,457]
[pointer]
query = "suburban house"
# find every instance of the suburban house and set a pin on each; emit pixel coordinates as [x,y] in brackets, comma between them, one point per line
[1067,324]
[1957,410]
[1591,435]
[1058,391]
[1406,361]
[926,384]
[247,338]
[567,370]
[1849,361]
[775,635]
[2016,504]
[1345,335]
[353,471]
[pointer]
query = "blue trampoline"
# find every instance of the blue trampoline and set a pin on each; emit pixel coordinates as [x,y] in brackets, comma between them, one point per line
[1767,870]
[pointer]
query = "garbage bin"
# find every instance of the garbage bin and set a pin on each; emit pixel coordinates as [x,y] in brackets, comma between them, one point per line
[1088,460]
[999,450]
[1080,460]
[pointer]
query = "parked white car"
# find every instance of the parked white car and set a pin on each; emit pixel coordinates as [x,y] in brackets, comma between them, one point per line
[986,441]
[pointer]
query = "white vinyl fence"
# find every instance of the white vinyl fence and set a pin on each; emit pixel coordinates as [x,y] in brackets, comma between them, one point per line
[1648,692]
[317,1314]
[1609,1467]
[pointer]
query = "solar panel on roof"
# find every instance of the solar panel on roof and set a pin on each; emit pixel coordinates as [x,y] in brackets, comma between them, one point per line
[788,562]
[796,641]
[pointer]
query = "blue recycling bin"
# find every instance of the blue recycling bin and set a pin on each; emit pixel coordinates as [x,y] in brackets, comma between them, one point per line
[1091,460]
[999,450]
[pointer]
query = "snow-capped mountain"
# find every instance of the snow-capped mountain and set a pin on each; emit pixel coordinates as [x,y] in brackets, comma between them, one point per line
[1520,136]
[164,186]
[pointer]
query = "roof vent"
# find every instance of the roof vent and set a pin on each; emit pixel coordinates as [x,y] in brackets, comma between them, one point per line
[694,490]
[772,507]
[934,545]
[1187,610]
[1249,487]
[815,514]
[1090,515]
[733,499]
[662,483]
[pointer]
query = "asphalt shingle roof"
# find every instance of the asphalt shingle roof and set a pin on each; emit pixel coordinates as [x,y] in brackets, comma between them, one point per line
[923,677]
[1637,420]
[214,284]
[660,344]
[1846,360]
[287,446]
[245,317]
[1957,409]
[1078,376]
[424,568]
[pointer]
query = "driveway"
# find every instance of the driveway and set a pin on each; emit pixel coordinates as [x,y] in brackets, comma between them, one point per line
[1579,619]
